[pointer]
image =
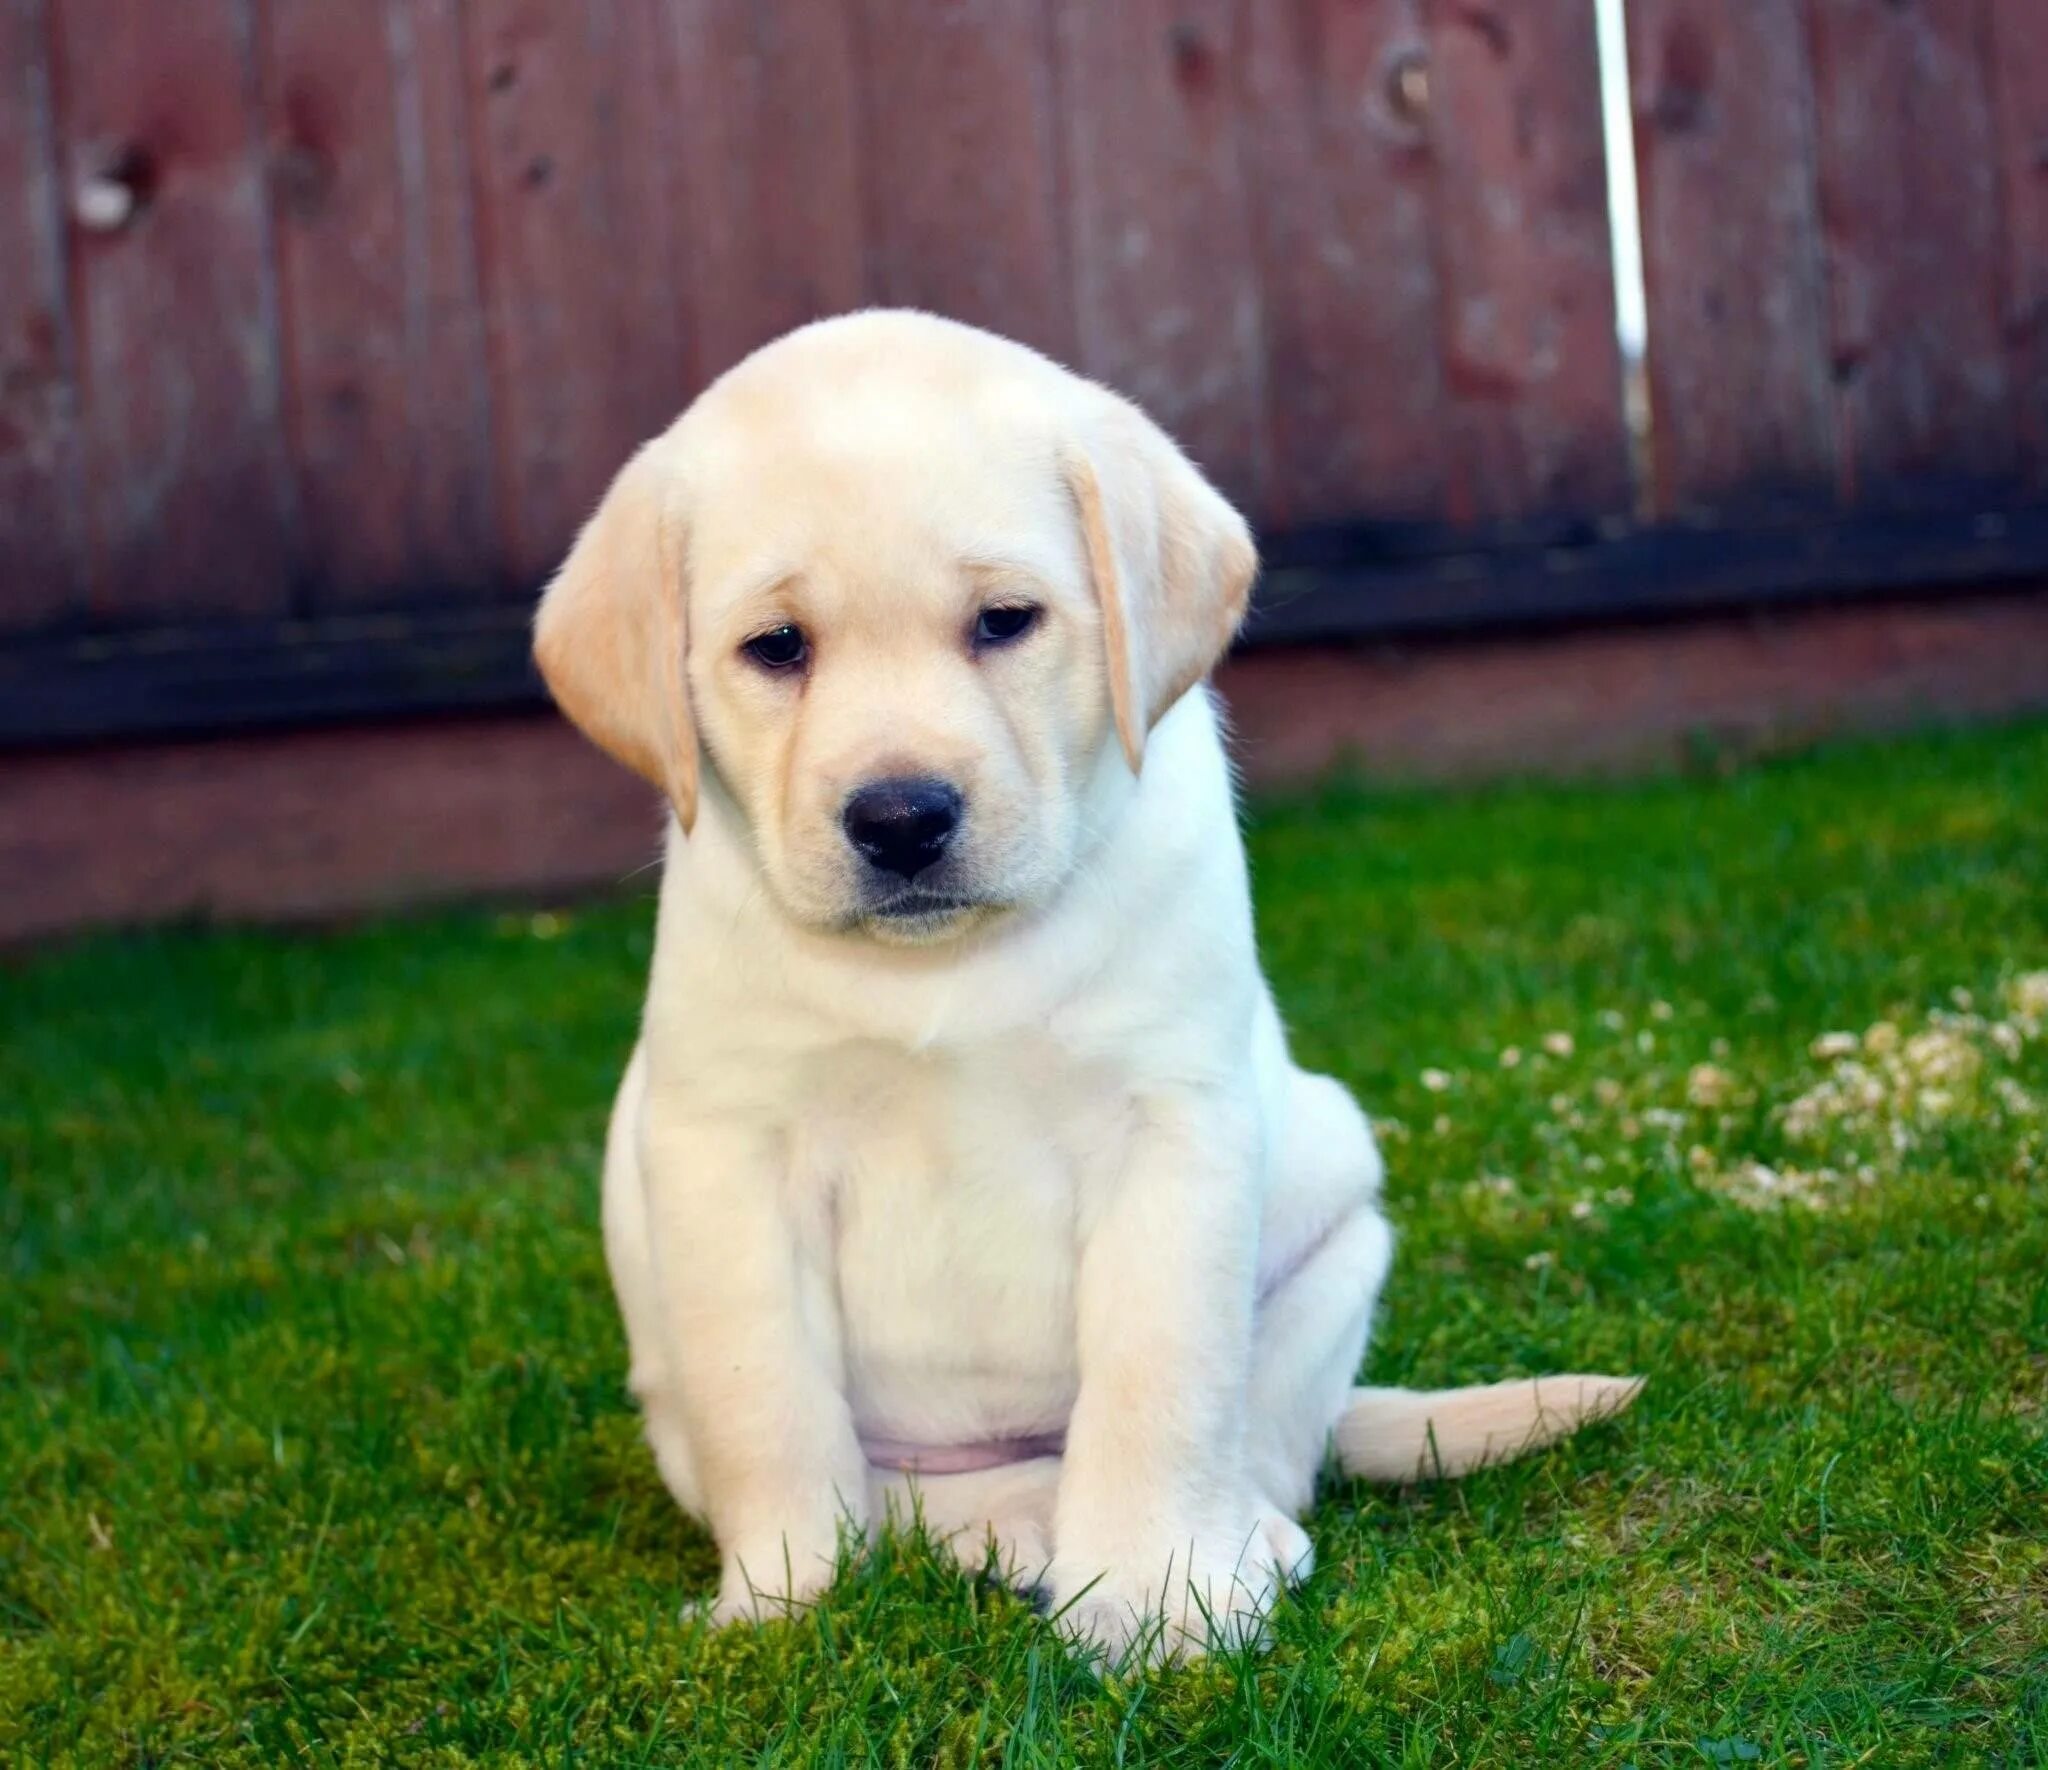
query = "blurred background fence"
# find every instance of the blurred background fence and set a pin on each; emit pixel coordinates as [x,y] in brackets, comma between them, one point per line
[322,325]
[323,322]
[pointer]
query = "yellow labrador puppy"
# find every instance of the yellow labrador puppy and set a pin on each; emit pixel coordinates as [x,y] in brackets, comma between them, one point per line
[962,1155]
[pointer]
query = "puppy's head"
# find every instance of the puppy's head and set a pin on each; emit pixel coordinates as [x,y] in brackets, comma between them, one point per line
[909,589]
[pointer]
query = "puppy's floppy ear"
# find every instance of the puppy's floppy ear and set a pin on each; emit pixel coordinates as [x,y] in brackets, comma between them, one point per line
[1172,561]
[609,634]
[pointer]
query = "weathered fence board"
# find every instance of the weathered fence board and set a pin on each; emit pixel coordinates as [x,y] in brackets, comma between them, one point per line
[1909,210]
[2019,63]
[582,294]
[767,136]
[1335,98]
[958,155]
[388,405]
[42,578]
[404,281]
[189,503]
[1736,280]
[1166,287]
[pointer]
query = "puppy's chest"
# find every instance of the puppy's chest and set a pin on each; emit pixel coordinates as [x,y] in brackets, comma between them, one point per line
[946,1199]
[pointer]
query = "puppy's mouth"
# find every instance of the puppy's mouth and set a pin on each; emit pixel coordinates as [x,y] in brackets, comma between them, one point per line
[918,916]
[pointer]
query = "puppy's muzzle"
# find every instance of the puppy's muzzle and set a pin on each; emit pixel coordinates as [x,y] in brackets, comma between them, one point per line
[903,826]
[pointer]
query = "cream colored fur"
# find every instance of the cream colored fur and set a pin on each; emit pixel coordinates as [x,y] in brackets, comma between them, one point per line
[1022,1157]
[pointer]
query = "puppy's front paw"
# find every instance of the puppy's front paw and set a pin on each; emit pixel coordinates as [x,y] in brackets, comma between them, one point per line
[1215,1591]
[1287,1548]
[768,1585]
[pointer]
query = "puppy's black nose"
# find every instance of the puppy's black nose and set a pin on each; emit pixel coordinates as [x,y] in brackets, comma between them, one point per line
[902,826]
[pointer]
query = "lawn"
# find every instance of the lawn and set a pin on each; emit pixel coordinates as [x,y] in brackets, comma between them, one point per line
[314,1447]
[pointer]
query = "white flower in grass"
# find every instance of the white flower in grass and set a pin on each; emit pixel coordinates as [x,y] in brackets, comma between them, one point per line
[2027,996]
[1940,1055]
[1831,1045]
[2013,1098]
[1559,1044]
[1708,1084]
[1805,1115]
[1541,1258]
[1511,1056]
[1757,1186]
[1436,1080]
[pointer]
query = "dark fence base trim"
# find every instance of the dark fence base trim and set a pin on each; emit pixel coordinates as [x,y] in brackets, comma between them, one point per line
[1333,585]
[1337,586]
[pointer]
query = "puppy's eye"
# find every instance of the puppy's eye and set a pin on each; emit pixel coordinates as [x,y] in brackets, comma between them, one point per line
[1003,622]
[780,648]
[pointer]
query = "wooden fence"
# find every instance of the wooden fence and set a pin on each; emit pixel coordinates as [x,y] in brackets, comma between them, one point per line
[322,322]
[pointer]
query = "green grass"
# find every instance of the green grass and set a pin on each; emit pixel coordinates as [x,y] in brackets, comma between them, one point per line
[313,1445]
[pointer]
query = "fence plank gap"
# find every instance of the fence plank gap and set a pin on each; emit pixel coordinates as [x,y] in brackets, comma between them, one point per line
[1532,368]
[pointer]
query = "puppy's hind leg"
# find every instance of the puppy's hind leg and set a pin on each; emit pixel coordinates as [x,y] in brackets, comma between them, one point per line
[1319,1288]
[1324,1253]
[628,1255]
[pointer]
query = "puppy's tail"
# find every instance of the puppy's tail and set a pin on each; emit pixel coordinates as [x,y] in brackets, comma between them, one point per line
[1403,1435]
